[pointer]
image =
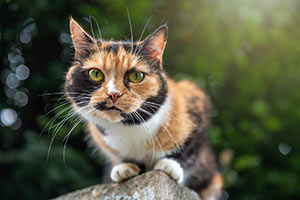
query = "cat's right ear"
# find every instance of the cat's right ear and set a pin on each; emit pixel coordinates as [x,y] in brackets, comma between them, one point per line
[82,40]
[153,46]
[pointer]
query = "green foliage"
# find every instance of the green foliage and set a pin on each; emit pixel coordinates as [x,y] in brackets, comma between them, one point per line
[245,54]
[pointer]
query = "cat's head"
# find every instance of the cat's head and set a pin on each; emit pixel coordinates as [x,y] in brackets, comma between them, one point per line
[117,81]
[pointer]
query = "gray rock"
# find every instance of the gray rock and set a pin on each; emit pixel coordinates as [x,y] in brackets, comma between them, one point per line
[151,185]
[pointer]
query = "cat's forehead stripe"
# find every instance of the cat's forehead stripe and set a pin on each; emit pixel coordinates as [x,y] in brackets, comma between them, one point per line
[125,47]
[112,47]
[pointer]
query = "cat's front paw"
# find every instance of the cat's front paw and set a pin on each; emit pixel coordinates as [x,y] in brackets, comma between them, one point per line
[124,171]
[171,167]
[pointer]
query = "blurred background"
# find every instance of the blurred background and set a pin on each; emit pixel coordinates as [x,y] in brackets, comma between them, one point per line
[245,54]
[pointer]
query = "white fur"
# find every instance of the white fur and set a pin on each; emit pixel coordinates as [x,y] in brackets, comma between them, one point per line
[122,172]
[111,86]
[171,167]
[130,140]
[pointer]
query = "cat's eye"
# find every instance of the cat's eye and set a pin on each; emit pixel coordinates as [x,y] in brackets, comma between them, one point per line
[136,77]
[96,75]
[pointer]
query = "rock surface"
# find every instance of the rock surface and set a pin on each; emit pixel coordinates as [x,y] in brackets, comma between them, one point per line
[151,185]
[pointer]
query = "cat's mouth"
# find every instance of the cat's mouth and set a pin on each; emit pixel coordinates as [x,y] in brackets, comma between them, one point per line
[103,107]
[114,108]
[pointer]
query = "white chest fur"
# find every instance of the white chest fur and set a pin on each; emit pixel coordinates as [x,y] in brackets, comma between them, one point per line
[130,141]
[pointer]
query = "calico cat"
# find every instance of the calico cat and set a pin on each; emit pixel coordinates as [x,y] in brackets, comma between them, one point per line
[137,115]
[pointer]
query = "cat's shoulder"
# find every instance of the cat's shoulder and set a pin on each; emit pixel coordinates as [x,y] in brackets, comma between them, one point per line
[190,96]
[187,87]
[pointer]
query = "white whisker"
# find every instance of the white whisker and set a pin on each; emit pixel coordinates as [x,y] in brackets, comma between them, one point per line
[151,136]
[66,138]
[98,27]
[131,32]
[140,38]
[58,126]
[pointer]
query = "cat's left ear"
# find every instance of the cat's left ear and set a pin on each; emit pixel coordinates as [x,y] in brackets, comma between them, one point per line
[82,40]
[154,45]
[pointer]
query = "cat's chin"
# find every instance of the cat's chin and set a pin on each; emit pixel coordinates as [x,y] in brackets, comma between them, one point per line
[112,116]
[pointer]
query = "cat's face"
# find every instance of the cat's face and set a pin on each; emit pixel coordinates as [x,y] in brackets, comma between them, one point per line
[117,81]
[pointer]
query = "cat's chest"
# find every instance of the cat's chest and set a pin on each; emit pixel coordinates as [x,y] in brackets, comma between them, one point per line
[130,142]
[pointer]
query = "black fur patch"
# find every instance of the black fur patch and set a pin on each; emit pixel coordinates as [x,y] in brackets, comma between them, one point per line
[81,88]
[112,48]
[101,106]
[88,38]
[200,178]
[130,48]
[85,54]
[149,107]
[101,129]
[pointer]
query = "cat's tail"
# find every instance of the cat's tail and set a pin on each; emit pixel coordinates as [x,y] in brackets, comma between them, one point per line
[214,190]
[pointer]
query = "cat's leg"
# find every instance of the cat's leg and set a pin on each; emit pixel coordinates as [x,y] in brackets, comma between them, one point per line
[201,174]
[200,170]
[171,167]
[206,182]
[214,190]
[124,171]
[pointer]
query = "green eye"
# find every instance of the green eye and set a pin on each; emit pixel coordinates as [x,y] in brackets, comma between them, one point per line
[136,77]
[96,75]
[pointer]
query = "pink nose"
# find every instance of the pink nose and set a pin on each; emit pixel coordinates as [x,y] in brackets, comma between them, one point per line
[114,96]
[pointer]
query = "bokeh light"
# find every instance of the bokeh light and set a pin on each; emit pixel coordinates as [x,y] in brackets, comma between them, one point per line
[8,116]
[12,81]
[26,34]
[65,38]
[284,148]
[21,99]
[22,72]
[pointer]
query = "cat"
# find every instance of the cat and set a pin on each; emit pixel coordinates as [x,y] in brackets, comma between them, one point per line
[139,117]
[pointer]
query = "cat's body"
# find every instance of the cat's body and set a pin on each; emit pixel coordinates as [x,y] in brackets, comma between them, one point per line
[141,119]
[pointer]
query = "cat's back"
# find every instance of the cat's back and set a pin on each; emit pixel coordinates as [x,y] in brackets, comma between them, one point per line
[189,96]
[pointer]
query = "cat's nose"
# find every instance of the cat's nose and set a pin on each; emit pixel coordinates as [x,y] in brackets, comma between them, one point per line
[114,96]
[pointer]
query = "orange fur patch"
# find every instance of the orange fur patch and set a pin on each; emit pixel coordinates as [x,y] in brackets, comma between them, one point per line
[178,125]
[132,166]
[214,189]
